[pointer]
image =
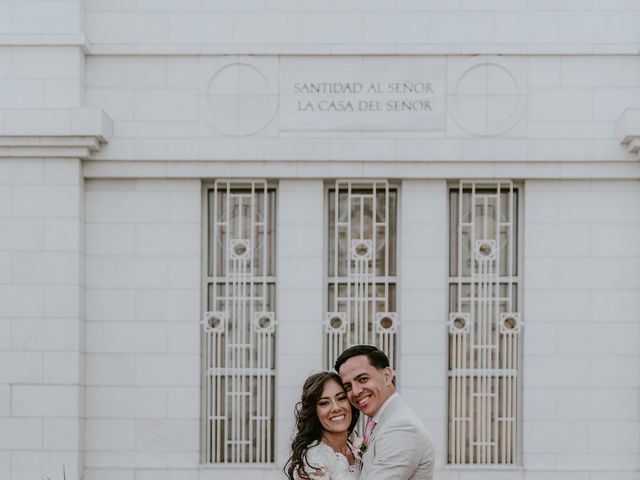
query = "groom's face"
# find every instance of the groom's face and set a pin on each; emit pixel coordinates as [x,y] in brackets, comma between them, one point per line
[367,387]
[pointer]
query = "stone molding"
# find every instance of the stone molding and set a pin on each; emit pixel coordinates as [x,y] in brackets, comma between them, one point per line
[53,132]
[361,169]
[311,49]
[628,129]
[45,40]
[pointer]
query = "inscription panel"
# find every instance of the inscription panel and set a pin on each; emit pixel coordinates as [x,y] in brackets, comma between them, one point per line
[381,94]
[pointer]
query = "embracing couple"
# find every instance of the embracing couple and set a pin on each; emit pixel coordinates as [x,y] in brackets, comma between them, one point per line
[395,444]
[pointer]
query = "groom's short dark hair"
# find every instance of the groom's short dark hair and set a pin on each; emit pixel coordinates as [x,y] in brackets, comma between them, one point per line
[377,358]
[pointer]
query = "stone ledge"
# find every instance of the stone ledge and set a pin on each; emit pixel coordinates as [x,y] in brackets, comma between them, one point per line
[323,49]
[45,40]
[53,132]
[361,169]
[628,129]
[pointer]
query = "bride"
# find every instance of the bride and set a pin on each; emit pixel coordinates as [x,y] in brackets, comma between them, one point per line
[324,419]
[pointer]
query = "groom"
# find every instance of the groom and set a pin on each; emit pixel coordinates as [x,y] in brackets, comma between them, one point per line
[398,445]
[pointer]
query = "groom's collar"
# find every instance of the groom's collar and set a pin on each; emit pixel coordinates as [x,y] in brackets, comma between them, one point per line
[376,418]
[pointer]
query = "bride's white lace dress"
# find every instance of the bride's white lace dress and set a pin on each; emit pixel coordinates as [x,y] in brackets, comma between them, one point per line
[330,465]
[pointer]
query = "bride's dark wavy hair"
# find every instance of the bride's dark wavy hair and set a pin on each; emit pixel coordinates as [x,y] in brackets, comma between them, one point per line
[308,427]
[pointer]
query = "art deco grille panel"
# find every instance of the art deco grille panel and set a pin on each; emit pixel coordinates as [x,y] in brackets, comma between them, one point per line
[239,325]
[484,324]
[361,268]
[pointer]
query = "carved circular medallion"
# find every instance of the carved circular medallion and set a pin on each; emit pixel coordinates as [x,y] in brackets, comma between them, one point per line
[487,100]
[239,100]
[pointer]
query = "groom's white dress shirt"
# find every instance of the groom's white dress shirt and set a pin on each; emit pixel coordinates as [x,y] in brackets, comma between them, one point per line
[399,447]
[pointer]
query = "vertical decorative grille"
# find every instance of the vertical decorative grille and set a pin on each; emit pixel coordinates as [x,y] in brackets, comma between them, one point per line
[484,324]
[362,268]
[239,324]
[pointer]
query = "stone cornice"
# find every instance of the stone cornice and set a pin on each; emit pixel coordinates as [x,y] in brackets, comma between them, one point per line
[361,169]
[45,40]
[628,130]
[52,132]
[297,49]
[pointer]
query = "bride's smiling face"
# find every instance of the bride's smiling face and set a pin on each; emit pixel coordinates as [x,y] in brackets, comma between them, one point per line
[334,409]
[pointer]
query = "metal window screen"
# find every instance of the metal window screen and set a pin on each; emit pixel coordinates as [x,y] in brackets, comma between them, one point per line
[238,328]
[484,324]
[361,307]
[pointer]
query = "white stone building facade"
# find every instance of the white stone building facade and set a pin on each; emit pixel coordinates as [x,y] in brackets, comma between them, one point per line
[119,118]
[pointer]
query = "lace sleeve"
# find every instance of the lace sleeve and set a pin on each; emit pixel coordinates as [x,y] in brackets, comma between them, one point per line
[341,470]
[318,463]
[325,464]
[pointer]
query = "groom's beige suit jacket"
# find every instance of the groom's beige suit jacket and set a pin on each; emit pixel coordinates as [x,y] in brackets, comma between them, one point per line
[399,447]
